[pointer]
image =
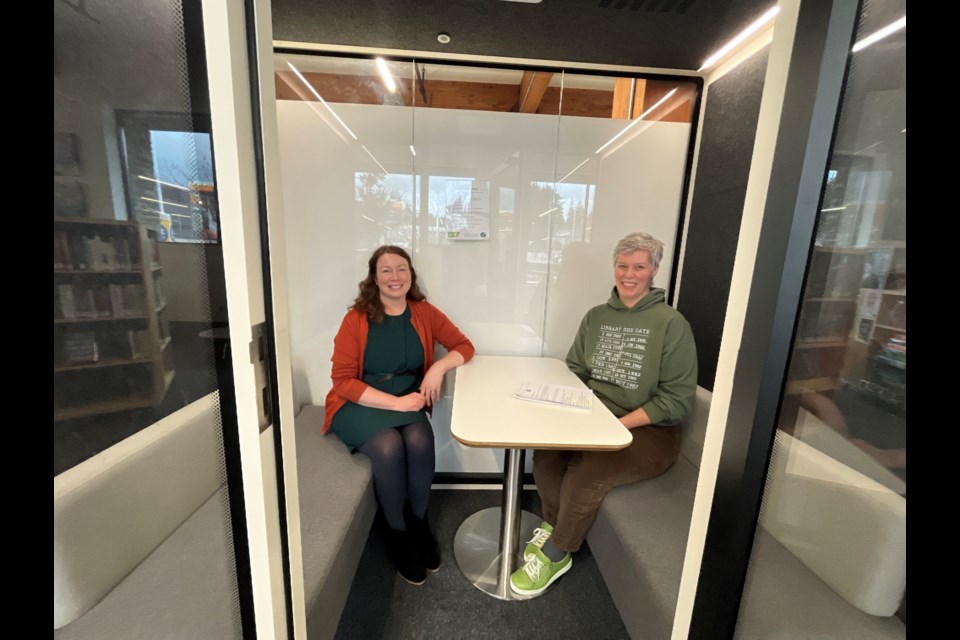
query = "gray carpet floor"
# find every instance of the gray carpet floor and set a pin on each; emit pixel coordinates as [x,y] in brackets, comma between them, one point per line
[383,605]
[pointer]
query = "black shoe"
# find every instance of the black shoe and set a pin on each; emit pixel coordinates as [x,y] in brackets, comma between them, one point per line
[424,543]
[401,548]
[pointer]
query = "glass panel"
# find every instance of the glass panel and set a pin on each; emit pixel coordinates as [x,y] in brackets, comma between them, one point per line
[834,510]
[485,150]
[621,162]
[142,529]
[348,187]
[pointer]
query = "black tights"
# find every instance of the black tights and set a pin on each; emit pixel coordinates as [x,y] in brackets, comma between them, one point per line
[403,464]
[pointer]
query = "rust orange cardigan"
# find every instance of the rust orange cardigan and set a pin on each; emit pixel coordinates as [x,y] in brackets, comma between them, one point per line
[351,341]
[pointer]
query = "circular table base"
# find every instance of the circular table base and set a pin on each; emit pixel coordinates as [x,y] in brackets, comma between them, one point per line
[477,550]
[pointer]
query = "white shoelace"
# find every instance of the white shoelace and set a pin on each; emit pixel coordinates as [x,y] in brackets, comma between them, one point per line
[533,567]
[539,537]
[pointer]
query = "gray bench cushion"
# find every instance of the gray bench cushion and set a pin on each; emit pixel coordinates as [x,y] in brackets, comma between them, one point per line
[186,588]
[639,541]
[337,506]
[784,599]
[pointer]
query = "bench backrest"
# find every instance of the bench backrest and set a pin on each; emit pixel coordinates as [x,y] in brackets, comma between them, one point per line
[847,527]
[112,510]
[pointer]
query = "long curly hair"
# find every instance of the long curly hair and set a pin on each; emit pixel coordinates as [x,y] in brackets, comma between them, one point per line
[368,300]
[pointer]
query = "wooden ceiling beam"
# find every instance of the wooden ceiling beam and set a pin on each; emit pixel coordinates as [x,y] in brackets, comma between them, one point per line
[622,90]
[533,85]
[639,94]
[679,108]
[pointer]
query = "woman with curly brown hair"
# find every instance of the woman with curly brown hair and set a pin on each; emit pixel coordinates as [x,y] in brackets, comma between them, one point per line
[385,379]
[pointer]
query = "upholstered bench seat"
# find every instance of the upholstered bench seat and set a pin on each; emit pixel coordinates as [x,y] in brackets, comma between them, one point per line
[142,547]
[640,537]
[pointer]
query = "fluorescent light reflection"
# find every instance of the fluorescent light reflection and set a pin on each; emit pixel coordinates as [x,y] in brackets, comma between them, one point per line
[164,202]
[636,122]
[168,184]
[738,39]
[876,36]
[322,101]
[385,74]
[575,169]
[372,157]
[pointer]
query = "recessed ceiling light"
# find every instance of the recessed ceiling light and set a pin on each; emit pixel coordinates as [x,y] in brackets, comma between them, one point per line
[443,38]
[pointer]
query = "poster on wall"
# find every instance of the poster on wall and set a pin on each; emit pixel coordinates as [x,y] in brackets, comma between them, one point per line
[467,216]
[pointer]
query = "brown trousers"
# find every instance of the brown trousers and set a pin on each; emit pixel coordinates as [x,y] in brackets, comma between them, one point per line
[573,484]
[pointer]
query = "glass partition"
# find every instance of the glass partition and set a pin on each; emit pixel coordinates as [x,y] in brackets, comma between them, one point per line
[143,522]
[834,508]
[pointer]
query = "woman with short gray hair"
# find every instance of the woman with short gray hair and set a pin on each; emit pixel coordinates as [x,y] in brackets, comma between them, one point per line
[637,355]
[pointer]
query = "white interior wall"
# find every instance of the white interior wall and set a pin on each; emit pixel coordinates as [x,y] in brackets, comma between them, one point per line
[506,294]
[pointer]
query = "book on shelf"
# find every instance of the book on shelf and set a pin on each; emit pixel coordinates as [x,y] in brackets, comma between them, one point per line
[77,252]
[61,254]
[107,251]
[121,249]
[134,300]
[116,300]
[101,301]
[102,256]
[83,301]
[80,347]
[65,295]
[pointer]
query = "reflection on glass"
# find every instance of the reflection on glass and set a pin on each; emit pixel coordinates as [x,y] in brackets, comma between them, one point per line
[384,209]
[143,545]
[835,502]
[169,175]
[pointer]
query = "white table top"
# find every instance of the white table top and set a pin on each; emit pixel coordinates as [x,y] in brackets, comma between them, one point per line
[485,413]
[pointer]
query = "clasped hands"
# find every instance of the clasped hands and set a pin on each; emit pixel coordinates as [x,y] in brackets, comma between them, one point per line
[426,396]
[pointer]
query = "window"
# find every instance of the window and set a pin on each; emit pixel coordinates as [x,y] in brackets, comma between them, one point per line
[169,175]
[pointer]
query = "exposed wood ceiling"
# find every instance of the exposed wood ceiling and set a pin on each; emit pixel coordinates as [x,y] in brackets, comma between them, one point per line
[532,94]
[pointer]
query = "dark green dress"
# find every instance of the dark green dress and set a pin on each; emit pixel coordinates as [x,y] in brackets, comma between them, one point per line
[392,348]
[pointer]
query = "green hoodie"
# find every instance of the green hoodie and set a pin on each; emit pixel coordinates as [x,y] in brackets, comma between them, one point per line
[642,356]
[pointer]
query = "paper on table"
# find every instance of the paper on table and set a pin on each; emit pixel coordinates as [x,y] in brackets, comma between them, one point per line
[555,394]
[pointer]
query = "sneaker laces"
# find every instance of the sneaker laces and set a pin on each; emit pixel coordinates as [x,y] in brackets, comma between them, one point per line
[539,537]
[533,568]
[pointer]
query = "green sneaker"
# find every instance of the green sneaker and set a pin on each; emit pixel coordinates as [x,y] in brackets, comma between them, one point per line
[540,535]
[533,578]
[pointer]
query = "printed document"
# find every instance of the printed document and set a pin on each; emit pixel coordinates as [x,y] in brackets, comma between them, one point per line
[555,394]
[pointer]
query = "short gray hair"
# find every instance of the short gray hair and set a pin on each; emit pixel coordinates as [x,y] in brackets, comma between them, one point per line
[640,241]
